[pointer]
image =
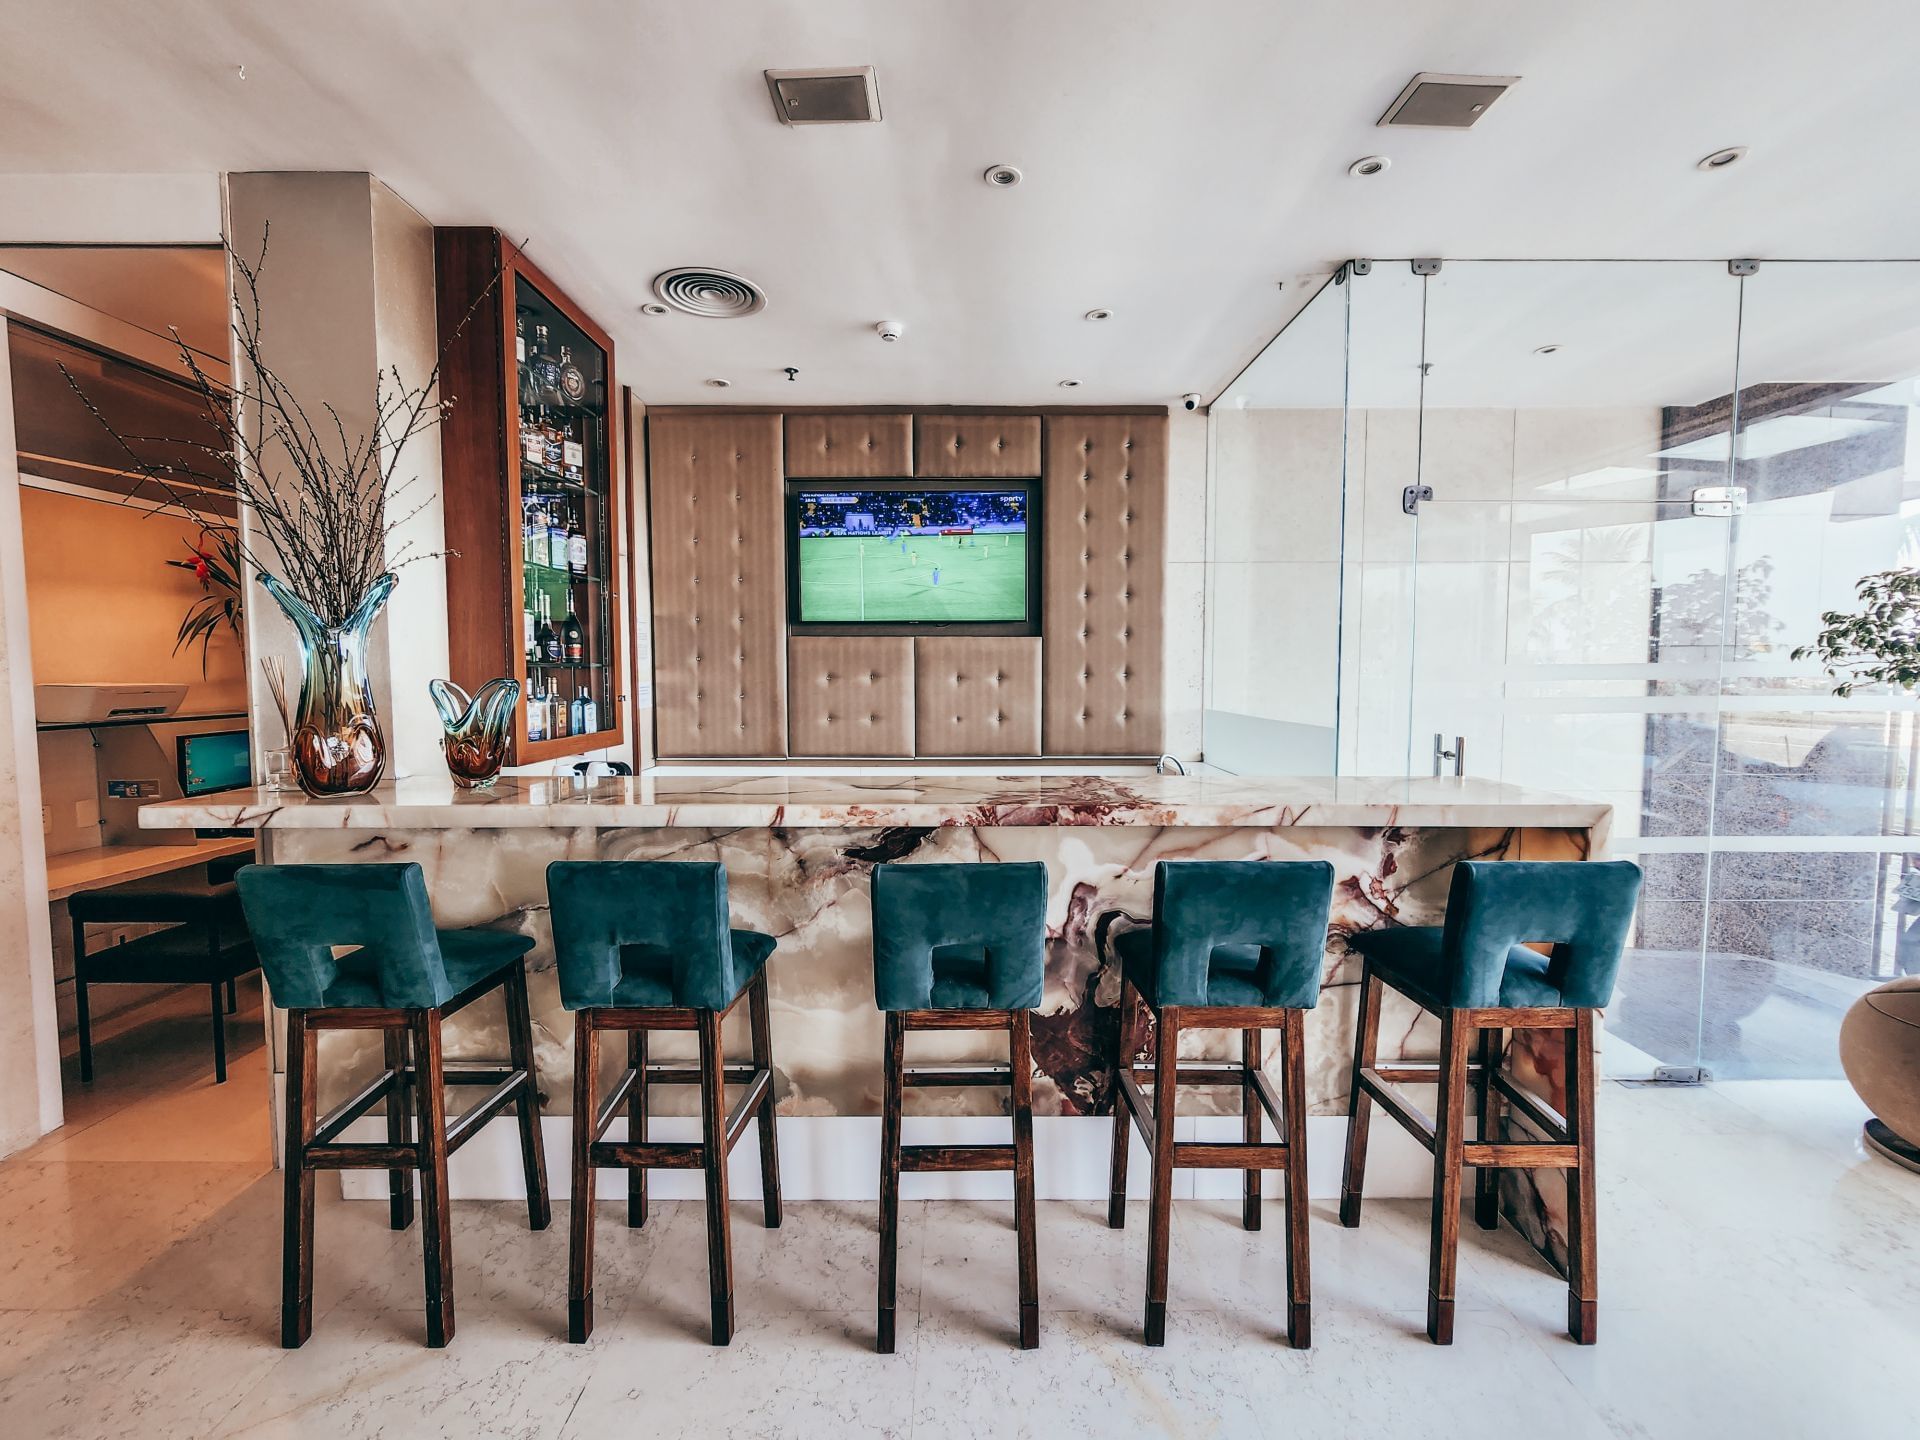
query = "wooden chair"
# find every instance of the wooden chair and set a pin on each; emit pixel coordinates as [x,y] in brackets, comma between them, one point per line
[1234,945]
[645,946]
[959,947]
[403,977]
[1480,976]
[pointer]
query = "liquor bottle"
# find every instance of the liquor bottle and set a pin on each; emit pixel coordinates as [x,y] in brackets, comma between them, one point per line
[576,546]
[573,455]
[573,637]
[536,532]
[529,528]
[589,712]
[557,728]
[525,375]
[527,640]
[544,638]
[556,642]
[536,715]
[533,436]
[573,384]
[546,370]
[556,537]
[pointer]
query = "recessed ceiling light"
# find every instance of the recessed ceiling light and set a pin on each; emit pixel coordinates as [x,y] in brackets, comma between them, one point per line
[719,384]
[1002,177]
[1069,384]
[1099,315]
[1721,159]
[653,307]
[1368,165]
[1546,349]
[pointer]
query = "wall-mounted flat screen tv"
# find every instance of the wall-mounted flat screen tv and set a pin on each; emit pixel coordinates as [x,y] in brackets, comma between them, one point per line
[907,553]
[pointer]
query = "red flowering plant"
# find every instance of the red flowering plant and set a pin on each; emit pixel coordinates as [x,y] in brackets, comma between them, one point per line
[216,563]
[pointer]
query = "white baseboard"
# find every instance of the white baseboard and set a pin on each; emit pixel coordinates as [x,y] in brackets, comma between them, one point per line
[838,1158]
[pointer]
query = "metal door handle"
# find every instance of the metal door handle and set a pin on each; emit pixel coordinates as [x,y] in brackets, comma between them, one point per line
[1458,754]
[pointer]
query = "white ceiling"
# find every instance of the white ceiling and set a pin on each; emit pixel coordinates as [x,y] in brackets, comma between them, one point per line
[1180,159]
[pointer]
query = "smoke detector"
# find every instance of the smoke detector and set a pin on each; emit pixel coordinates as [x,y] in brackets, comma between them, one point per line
[715,294]
[1446,102]
[842,95]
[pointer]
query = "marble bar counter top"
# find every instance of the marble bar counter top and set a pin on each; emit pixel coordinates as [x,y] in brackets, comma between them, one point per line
[866,801]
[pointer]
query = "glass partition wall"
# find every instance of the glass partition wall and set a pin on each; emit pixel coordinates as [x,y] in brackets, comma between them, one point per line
[1562,524]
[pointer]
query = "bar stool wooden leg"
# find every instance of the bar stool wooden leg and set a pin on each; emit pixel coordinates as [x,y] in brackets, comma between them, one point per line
[1366,1053]
[760,1021]
[713,1143]
[400,1181]
[82,1012]
[533,1159]
[1293,1059]
[586,1064]
[891,1083]
[1449,1162]
[1020,1062]
[1251,1126]
[219,1035]
[435,1212]
[296,1252]
[1583,1287]
[1166,1054]
[1122,1109]
[1486,1178]
[637,1127]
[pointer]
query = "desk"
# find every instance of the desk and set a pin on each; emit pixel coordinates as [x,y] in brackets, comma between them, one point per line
[100,866]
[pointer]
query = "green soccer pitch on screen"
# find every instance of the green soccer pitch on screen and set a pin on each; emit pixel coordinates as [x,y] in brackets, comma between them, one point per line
[874,556]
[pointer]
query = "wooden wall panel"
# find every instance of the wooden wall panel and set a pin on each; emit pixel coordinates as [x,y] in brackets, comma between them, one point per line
[850,695]
[976,695]
[719,584]
[998,447]
[848,445]
[1104,517]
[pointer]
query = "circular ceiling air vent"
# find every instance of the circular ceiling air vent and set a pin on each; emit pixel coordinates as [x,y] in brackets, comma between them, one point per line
[696,290]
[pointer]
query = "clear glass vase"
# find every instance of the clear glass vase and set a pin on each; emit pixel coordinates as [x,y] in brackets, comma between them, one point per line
[334,732]
[477,729]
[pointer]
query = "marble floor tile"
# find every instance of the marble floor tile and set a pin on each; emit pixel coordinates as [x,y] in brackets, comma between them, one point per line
[794,1374]
[969,1269]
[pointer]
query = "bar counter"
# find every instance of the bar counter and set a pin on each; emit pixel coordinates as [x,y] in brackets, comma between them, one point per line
[798,850]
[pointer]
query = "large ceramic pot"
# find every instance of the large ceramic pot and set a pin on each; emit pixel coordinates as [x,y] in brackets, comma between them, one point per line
[1880,1051]
[334,732]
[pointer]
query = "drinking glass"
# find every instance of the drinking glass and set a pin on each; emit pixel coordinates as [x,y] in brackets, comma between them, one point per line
[274,766]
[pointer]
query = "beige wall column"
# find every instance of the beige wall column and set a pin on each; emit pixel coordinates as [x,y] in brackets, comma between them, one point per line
[347,292]
[29,1029]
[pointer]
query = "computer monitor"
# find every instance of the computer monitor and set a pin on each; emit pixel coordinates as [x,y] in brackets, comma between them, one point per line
[214,760]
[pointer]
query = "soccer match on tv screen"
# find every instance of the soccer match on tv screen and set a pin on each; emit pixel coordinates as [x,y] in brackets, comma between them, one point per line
[927,557]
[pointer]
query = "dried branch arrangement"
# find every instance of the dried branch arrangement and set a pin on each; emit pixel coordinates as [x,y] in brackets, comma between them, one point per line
[324,499]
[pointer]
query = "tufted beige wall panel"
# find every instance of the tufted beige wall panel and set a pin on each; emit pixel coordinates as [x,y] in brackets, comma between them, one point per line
[846,445]
[1105,521]
[981,446]
[719,584]
[850,695]
[976,695]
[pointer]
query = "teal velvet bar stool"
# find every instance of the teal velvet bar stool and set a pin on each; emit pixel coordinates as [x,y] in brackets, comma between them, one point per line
[646,945]
[1234,945]
[354,947]
[959,947]
[1481,975]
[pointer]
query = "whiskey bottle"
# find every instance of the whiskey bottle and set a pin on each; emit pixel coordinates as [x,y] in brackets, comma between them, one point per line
[546,370]
[573,384]
[528,642]
[557,728]
[536,715]
[573,455]
[576,546]
[556,538]
[573,637]
[544,637]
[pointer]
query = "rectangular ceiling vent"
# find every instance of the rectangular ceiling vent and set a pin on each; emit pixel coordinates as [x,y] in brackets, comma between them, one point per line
[846,95]
[1446,102]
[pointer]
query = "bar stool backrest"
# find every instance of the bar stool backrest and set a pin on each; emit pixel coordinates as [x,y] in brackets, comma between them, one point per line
[302,916]
[663,917]
[1583,907]
[1279,906]
[999,910]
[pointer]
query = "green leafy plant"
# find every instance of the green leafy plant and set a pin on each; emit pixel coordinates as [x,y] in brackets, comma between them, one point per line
[217,564]
[1880,644]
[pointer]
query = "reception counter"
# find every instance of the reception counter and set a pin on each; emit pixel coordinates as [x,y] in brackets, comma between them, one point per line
[798,851]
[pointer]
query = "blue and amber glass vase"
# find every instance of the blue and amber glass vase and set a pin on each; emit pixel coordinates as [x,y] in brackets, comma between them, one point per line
[333,732]
[477,730]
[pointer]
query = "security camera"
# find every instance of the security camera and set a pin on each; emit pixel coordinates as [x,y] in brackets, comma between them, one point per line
[890,329]
[1190,400]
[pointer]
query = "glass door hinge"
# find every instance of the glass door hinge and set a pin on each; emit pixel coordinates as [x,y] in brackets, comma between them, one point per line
[1720,500]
